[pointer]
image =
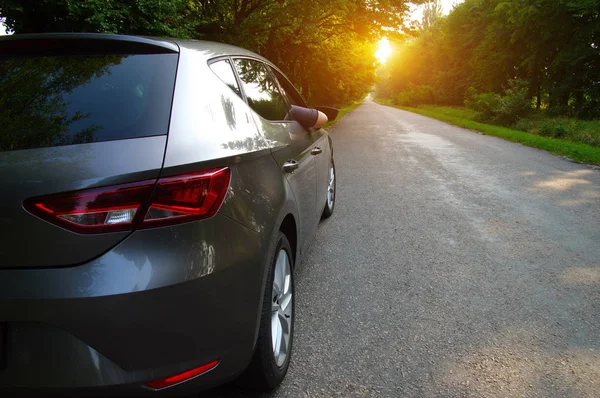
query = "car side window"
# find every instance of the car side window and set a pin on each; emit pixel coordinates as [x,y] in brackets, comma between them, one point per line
[288,89]
[224,71]
[261,90]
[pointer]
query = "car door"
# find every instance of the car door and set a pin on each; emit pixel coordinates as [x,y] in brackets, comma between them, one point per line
[291,145]
[320,150]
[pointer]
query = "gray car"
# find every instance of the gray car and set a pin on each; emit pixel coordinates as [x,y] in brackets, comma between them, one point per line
[156,197]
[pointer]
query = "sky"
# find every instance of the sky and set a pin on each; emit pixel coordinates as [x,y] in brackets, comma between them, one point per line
[2,27]
[449,4]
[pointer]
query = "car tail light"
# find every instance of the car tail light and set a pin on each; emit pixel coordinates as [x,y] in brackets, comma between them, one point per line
[146,204]
[181,377]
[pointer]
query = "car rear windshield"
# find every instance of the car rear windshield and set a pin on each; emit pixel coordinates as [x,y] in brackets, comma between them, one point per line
[63,100]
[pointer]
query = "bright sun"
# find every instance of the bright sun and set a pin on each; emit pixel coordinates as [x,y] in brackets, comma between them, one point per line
[383,50]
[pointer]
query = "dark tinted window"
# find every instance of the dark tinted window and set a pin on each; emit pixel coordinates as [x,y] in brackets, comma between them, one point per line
[224,70]
[288,89]
[261,90]
[63,100]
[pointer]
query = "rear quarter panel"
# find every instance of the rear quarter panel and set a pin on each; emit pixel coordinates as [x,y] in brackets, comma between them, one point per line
[211,126]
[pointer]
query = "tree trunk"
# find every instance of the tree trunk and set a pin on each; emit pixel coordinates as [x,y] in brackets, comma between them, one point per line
[579,100]
[269,46]
[564,98]
[305,83]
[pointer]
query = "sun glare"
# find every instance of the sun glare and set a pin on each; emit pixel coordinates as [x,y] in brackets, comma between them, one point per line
[383,50]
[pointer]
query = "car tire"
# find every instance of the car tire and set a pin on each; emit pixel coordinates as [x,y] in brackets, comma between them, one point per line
[270,361]
[330,201]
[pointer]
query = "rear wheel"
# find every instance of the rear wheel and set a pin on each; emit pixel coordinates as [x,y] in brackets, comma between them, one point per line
[273,350]
[330,203]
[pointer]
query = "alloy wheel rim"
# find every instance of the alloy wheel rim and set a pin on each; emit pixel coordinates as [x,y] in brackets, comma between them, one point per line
[331,188]
[281,308]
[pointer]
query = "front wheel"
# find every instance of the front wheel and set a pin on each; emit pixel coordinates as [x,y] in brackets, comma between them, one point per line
[330,204]
[273,350]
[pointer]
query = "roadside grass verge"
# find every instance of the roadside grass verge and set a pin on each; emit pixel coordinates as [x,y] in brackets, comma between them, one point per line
[577,151]
[343,111]
[571,129]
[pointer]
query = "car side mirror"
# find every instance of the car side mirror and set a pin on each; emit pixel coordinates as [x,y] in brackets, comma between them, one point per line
[331,113]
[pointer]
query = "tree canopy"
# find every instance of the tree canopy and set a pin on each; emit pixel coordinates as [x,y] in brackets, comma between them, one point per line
[485,46]
[325,47]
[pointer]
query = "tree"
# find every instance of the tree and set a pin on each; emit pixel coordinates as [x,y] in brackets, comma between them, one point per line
[143,17]
[325,47]
[432,12]
[485,44]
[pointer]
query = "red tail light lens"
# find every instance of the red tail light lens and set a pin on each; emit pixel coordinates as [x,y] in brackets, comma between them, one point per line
[145,204]
[107,209]
[190,196]
[181,377]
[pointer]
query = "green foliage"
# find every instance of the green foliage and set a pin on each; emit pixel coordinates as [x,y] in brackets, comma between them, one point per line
[584,131]
[552,130]
[416,95]
[502,109]
[325,47]
[551,44]
[486,104]
[143,17]
[515,103]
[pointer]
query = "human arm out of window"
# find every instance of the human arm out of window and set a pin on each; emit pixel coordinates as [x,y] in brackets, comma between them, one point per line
[308,117]
[321,120]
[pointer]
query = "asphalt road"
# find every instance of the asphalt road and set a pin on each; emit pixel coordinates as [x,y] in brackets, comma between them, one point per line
[455,264]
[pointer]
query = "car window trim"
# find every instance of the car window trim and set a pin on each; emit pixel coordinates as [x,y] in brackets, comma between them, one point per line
[264,62]
[305,104]
[235,74]
[233,58]
[288,82]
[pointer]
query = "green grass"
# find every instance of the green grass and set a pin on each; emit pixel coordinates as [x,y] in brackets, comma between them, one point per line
[460,112]
[569,129]
[584,131]
[342,112]
[577,151]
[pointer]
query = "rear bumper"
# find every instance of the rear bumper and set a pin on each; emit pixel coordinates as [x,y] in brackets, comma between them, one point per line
[161,302]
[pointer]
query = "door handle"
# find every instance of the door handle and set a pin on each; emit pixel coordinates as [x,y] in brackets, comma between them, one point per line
[316,151]
[290,166]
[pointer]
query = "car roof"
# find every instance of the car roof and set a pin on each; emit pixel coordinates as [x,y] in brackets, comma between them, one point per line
[213,49]
[208,48]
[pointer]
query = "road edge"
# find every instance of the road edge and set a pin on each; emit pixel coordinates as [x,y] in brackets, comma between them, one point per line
[342,112]
[573,151]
